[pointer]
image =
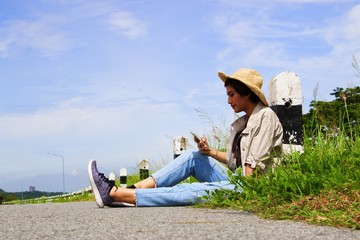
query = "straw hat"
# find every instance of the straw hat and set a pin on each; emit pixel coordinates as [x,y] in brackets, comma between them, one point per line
[251,78]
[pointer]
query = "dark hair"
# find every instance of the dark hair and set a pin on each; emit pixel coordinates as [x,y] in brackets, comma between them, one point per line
[242,89]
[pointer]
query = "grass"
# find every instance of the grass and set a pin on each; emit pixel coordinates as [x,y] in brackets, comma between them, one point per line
[319,186]
[84,197]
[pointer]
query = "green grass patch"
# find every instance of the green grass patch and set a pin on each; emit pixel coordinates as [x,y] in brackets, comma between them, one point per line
[321,185]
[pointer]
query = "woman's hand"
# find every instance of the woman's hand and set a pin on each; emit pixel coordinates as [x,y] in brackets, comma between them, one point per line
[205,149]
[248,170]
[203,146]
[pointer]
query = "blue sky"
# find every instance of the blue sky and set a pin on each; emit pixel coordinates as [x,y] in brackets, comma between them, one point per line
[118,80]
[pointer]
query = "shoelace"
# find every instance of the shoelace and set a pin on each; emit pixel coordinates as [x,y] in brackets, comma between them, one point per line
[110,183]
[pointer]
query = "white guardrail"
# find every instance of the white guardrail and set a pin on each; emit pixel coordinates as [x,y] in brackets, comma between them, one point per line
[49,199]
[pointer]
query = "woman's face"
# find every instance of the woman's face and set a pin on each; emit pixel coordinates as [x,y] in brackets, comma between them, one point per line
[236,101]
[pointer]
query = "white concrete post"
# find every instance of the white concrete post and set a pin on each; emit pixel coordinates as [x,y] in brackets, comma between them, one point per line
[286,100]
[144,169]
[123,177]
[112,176]
[180,145]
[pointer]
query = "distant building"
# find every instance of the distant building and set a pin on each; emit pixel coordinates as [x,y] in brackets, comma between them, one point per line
[32,189]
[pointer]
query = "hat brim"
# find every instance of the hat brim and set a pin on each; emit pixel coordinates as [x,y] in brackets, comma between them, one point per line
[252,87]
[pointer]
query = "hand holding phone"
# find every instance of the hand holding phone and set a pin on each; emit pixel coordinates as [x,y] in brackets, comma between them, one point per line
[201,144]
[196,138]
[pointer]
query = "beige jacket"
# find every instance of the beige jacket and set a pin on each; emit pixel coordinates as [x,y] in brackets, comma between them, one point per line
[261,139]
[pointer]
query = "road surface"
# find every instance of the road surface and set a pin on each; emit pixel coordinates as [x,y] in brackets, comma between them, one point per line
[87,221]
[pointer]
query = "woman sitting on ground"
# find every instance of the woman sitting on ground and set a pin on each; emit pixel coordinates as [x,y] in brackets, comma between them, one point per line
[255,139]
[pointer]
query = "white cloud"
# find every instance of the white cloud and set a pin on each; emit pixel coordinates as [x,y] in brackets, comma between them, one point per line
[343,33]
[75,172]
[61,122]
[253,3]
[319,50]
[127,25]
[118,136]
[260,32]
[90,9]
[38,34]
[43,31]
[313,1]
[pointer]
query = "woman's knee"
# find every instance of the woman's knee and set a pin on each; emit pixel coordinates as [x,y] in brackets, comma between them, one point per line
[194,154]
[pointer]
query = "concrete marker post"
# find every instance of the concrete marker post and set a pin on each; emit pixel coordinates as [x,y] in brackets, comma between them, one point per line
[144,169]
[112,176]
[180,144]
[285,100]
[123,178]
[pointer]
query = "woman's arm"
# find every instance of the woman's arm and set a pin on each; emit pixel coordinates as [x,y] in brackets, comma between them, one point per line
[204,149]
[218,155]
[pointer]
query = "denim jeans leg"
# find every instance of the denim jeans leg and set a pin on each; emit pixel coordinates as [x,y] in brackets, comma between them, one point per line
[190,163]
[179,195]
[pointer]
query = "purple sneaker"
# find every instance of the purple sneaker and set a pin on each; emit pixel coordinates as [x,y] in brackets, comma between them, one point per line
[100,185]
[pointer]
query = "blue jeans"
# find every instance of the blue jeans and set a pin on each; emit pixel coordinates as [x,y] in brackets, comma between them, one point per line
[208,171]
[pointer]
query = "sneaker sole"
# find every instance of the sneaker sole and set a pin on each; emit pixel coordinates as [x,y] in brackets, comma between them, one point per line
[96,192]
[121,204]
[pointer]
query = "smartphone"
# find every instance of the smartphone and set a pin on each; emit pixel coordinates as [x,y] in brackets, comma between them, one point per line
[196,138]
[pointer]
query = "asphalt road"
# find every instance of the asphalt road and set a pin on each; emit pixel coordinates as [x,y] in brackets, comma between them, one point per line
[86,221]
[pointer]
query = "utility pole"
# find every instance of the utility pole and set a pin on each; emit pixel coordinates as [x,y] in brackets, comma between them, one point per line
[63,169]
